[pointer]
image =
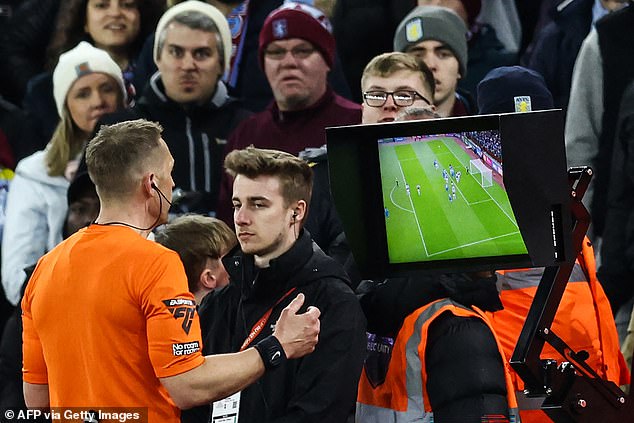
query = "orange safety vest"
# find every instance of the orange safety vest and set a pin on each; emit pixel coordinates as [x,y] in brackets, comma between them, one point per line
[583,320]
[402,396]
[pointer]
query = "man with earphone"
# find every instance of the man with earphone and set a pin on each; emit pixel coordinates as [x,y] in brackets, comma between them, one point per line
[275,260]
[125,325]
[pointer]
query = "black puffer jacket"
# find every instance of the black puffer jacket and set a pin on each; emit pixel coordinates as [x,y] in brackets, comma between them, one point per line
[320,387]
[557,46]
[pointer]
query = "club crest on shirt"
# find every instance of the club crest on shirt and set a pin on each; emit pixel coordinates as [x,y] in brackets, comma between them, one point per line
[280,28]
[182,308]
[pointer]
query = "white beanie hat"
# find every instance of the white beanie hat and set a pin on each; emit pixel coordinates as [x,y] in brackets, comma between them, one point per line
[80,61]
[206,9]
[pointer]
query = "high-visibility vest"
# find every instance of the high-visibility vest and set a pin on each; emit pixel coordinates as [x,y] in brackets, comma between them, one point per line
[402,397]
[583,320]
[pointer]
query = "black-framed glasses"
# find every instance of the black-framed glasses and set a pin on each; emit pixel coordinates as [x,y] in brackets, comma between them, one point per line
[299,52]
[402,98]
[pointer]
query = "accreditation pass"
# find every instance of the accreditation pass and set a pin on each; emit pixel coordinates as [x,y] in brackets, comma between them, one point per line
[226,410]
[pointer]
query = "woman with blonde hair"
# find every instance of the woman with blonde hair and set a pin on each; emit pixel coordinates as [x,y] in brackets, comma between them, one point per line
[87,84]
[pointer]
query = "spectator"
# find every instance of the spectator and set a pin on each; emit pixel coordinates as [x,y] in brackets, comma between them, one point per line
[517,89]
[296,52]
[150,318]
[201,242]
[601,74]
[244,76]
[437,35]
[556,46]
[87,85]
[187,97]
[485,50]
[277,258]
[393,81]
[117,26]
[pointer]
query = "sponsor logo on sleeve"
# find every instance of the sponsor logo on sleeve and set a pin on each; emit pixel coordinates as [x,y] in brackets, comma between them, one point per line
[185,348]
[182,308]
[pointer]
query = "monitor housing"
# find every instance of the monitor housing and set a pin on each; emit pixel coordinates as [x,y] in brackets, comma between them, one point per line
[456,194]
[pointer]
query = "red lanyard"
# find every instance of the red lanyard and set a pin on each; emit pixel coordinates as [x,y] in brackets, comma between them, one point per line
[255,330]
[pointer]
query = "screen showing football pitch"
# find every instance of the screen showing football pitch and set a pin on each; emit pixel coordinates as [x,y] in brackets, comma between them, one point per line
[444,198]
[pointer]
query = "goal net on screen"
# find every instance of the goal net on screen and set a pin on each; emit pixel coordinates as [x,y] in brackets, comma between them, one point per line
[481,173]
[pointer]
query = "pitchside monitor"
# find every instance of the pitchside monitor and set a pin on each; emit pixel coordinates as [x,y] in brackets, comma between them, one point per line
[459,194]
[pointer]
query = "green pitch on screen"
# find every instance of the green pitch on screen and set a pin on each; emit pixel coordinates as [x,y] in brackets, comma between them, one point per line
[429,226]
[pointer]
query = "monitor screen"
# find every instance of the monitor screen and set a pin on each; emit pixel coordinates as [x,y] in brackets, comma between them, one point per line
[444,198]
[457,194]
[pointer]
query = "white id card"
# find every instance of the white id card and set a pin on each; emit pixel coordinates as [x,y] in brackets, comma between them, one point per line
[226,410]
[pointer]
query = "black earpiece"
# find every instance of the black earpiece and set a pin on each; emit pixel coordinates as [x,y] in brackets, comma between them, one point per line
[153,185]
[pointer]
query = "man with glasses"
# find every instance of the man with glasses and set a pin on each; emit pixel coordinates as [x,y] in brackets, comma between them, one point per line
[392,82]
[296,51]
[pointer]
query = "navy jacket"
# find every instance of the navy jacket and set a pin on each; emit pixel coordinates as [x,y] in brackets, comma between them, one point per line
[557,46]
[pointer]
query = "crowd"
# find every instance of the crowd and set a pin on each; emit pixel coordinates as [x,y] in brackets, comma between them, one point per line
[170,240]
[488,141]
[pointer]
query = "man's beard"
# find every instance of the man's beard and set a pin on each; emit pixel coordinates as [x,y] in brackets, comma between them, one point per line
[267,249]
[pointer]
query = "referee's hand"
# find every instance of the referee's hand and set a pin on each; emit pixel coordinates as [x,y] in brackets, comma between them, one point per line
[298,333]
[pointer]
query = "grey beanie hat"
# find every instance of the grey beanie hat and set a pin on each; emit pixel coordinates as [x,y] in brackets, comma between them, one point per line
[434,23]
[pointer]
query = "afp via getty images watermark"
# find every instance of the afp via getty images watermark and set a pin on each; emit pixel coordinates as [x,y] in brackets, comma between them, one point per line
[80,415]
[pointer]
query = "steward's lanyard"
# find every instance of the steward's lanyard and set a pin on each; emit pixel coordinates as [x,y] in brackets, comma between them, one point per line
[255,330]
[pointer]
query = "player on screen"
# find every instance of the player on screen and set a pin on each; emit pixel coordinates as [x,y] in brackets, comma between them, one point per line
[418,188]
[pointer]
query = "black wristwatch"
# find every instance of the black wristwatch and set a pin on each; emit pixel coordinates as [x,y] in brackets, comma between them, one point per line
[271,352]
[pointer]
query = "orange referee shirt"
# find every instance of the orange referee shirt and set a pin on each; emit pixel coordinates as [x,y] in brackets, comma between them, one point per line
[106,314]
